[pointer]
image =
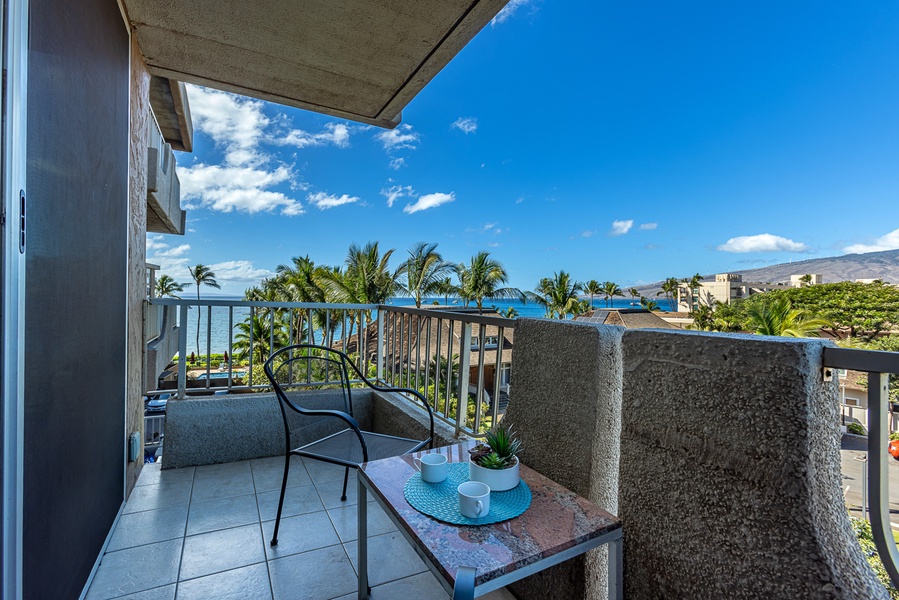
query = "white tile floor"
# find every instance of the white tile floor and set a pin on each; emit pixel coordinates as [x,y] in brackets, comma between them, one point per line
[202,533]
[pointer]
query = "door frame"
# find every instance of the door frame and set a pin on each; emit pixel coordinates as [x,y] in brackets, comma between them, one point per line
[14,57]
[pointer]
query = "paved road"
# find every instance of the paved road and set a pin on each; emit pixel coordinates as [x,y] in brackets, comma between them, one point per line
[851,449]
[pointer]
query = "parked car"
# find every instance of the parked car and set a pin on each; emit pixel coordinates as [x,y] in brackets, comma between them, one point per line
[157,404]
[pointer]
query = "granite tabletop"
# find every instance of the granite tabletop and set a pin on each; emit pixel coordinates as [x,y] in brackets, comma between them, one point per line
[556,520]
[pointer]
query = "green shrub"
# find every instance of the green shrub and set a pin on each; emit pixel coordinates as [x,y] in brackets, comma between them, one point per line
[894,436]
[855,428]
[862,530]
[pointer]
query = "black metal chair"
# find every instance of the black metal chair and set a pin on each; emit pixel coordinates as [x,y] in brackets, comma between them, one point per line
[304,366]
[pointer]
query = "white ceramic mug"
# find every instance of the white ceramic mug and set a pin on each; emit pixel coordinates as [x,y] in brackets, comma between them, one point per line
[433,467]
[474,499]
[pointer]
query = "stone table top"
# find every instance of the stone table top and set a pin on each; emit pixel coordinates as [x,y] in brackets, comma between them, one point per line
[557,520]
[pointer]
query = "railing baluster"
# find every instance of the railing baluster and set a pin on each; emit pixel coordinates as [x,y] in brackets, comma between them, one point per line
[497,375]
[182,352]
[437,364]
[464,364]
[479,397]
[250,381]
[427,357]
[230,347]
[878,475]
[450,336]
[208,345]
[382,341]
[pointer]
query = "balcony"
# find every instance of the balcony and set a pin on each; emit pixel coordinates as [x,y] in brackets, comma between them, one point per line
[203,533]
[721,453]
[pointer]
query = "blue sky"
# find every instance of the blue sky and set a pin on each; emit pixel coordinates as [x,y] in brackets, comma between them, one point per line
[627,141]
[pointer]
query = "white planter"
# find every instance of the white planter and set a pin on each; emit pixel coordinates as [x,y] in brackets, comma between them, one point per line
[498,480]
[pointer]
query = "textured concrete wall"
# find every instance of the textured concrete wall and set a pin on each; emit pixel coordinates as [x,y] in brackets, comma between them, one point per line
[242,426]
[730,481]
[137,241]
[727,476]
[566,407]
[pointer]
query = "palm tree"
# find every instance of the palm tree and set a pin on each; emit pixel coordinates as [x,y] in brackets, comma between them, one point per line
[258,330]
[669,289]
[202,275]
[481,278]
[611,289]
[424,271]
[776,316]
[166,286]
[648,304]
[510,313]
[366,279]
[558,294]
[634,293]
[593,288]
[691,286]
[444,288]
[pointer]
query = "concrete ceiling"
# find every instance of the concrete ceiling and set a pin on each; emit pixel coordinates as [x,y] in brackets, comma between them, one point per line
[358,59]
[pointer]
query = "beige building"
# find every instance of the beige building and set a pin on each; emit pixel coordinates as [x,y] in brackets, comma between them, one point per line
[728,287]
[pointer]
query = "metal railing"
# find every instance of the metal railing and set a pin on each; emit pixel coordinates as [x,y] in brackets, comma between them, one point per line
[878,365]
[154,428]
[445,355]
[441,353]
[262,328]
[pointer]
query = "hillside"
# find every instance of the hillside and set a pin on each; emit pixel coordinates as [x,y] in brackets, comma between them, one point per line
[849,267]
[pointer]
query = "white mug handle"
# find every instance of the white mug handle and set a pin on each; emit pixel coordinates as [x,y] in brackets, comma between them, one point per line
[416,462]
[479,509]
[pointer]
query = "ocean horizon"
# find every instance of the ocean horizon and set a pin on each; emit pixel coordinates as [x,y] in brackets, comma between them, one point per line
[219,320]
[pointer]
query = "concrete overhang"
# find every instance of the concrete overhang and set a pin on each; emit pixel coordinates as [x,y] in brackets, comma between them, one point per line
[363,60]
[168,98]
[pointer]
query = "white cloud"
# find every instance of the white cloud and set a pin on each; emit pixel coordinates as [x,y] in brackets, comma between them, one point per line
[323,200]
[889,241]
[520,200]
[621,227]
[648,226]
[489,226]
[429,201]
[508,11]
[240,272]
[174,252]
[235,124]
[234,275]
[336,134]
[466,125]
[397,163]
[229,188]
[763,242]
[401,138]
[587,233]
[395,192]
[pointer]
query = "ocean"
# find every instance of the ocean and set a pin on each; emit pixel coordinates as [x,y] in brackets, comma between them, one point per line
[219,321]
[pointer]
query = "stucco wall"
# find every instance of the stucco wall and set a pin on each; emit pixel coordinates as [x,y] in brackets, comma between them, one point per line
[728,469]
[241,426]
[137,242]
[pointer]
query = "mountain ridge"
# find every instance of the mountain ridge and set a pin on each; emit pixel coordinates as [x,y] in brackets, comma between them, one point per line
[883,265]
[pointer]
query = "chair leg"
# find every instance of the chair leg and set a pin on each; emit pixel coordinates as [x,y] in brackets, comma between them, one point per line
[346,477]
[274,541]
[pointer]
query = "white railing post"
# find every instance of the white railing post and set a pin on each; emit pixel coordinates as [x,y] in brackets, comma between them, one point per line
[182,352]
[382,316]
[464,366]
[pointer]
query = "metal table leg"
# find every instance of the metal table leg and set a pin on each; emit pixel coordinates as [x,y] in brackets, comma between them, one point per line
[464,587]
[616,568]
[362,524]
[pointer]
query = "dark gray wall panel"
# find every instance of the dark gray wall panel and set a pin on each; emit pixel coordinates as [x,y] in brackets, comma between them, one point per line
[75,289]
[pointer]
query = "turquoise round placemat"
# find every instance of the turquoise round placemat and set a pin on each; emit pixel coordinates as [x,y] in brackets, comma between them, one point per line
[441,500]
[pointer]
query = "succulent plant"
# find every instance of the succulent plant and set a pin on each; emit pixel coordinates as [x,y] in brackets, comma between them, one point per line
[500,448]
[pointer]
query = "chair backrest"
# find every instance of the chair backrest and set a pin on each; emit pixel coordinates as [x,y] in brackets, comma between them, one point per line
[308,367]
